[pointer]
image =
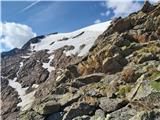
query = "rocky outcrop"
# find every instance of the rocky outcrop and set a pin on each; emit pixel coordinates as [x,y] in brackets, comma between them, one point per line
[119,79]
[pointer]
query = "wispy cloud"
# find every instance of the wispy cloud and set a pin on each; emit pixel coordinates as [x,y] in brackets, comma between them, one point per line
[30,6]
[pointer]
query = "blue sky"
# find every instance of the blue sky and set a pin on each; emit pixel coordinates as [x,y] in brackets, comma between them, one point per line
[25,19]
[47,17]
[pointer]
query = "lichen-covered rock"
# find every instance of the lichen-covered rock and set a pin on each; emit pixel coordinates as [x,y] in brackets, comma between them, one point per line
[47,107]
[122,114]
[147,115]
[110,105]
[79,109]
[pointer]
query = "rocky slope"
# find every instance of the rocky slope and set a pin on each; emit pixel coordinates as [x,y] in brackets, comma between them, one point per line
[108,71]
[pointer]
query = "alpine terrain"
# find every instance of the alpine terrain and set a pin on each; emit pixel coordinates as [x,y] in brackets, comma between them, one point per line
[106,71]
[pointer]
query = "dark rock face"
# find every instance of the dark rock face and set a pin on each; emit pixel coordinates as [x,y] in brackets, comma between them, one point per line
[147,7]
[33,40]
[10,65]
[119,79]
[11,53]
[32,73]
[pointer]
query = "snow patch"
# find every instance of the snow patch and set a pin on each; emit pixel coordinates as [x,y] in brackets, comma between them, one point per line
[25,57]
[21,64]
[35,86]
[47,65]
[27,99]
[21,91]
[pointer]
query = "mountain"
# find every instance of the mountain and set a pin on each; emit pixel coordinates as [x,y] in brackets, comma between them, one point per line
[106,71]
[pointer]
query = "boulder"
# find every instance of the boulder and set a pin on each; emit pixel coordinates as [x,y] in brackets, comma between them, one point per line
[47,107]
[122,114]
[79,109]
[99,115]
[114,64]
[122,25]
[68,98]
[88,79]
[110,105]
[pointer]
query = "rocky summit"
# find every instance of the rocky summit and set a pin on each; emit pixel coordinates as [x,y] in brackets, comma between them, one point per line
[107,71]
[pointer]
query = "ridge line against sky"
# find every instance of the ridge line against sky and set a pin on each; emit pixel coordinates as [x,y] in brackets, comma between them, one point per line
[39,17]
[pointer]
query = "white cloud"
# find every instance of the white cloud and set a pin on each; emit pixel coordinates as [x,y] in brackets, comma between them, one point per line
[15,35]
[97,21]
[123,7]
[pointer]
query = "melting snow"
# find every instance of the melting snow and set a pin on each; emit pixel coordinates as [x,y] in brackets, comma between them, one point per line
[47,65]
[25,56]
[21,64]
[88,38]
[35,86]
[27,99]
[21,91]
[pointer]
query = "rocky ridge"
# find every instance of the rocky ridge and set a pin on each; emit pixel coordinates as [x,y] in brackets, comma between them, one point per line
[118,78]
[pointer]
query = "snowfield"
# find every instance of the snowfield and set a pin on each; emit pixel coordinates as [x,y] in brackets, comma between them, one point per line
[84,37]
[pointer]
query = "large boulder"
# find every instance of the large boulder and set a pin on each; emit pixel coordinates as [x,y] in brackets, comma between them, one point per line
[110,105]
[114,64]
[88,79]
[122,114]
[122,25]
[47,107]
[79,109]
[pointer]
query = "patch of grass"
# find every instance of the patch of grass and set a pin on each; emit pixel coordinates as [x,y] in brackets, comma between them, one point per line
[150,48]
[155,85]
[154,75]
[124,89]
